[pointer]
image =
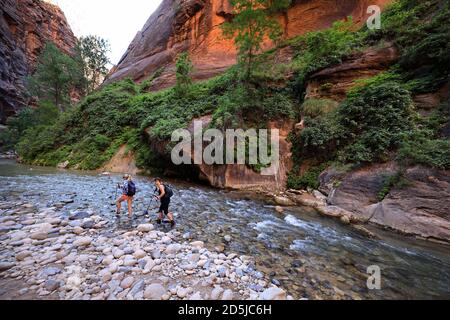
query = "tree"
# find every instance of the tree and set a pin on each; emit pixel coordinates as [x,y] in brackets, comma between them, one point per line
[94,53]
[184,69]
[55,76]
[253,21]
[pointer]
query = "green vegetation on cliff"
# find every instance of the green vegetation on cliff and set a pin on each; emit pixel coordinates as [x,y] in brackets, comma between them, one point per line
[377,122]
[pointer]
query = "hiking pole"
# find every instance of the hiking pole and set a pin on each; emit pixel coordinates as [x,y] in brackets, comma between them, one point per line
[115,194]
[146,212]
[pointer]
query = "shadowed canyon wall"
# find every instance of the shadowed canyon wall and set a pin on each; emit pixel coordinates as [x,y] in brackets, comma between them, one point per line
[25,27]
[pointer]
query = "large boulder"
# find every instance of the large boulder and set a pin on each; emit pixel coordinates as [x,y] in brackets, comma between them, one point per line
[419,207]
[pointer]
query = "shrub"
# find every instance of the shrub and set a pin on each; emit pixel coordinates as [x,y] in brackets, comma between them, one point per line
[314,108]
[310,179]
[421,147]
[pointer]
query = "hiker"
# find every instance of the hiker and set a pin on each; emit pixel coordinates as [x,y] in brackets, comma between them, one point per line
[128,191]
[165,193]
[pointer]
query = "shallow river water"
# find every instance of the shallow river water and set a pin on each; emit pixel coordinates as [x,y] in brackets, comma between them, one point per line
[309,255]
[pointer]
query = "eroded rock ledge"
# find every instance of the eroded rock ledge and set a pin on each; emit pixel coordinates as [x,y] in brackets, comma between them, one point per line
[421,208]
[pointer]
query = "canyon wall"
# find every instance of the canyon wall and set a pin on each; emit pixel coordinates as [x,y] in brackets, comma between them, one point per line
[194,26]
[25,27]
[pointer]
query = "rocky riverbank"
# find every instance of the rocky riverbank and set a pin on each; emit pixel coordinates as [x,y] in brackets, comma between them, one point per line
[49,254]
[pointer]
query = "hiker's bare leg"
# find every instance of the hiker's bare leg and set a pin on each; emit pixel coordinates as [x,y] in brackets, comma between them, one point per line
[119,205]
[130,207]
[170,216]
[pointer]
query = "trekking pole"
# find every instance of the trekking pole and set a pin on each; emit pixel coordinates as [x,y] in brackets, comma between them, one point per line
[146,212]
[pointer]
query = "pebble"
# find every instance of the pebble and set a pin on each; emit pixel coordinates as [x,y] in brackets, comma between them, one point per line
[127,282]
[228,295]
[52,285]
[154,292]
[216,293]
[145,228]
[82,242]
[273,294]
[4,266]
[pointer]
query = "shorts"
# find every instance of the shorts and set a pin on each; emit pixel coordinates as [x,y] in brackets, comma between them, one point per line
[164,206]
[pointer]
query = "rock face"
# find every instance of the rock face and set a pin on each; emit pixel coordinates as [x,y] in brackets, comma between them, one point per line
[122,162]
[419,208]
[238,176]
[194,26]
[334,82]
[25,27]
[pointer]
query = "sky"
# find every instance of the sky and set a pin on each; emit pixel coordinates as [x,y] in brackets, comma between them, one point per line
[117,21]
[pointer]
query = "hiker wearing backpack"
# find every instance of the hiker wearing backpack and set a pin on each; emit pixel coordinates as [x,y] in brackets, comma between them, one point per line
[128,191]
[165,193]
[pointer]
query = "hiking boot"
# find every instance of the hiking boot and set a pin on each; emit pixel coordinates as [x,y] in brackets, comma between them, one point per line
[158,221]
[172,223]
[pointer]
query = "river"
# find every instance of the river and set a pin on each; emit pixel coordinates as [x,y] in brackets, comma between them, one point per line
[311,256]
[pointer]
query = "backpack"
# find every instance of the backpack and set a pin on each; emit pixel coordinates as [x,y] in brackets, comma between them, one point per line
[169,191]
[131,189]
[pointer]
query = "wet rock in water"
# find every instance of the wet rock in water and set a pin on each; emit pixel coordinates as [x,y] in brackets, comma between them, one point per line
[297,264]
[273,294]
[228,238]
[276,282]
[52,285]
[283,201]
[79,215]
[154,292]
[4,266]
[279,209]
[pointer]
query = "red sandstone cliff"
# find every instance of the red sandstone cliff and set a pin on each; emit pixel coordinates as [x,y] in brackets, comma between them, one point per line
[194,25]
[25,27]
